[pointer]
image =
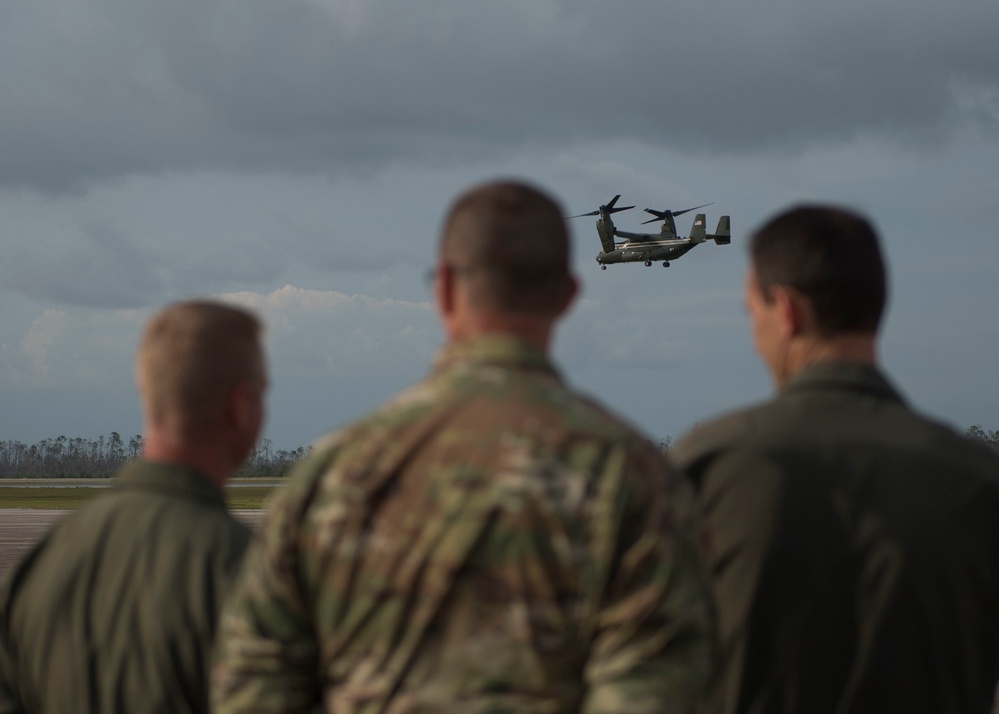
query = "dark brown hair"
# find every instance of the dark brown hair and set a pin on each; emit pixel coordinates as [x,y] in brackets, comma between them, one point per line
[832,257]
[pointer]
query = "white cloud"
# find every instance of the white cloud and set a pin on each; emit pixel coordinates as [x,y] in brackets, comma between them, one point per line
[332,333]
[41,337]
[309,332]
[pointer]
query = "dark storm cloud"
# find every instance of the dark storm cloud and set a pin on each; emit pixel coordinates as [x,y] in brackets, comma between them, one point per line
[93,266]
[93,262]
[97,89]
[331,248]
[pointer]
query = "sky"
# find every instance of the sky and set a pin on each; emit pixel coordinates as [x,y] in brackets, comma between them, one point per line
[297,157]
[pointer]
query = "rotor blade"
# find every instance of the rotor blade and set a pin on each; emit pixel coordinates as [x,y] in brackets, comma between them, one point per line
[659,215]
[680,213]
[609,207]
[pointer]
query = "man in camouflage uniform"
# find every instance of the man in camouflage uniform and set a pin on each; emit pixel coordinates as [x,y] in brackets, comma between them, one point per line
[116,608]
[854,543]
[488,540]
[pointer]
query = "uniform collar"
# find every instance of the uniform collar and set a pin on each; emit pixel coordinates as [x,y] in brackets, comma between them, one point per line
[171,479]
[493,350]
[840,376]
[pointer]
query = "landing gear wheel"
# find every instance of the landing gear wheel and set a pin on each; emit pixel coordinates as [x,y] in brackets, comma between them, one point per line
[665,263]
[648,263]
[603,267]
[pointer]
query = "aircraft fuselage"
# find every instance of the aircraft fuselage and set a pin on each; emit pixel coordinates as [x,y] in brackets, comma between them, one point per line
[645,251]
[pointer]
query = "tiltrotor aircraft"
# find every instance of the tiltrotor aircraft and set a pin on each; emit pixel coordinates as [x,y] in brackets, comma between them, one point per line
[648,247]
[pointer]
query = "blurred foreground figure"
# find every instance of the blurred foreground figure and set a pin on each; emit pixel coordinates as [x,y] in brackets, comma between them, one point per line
[486,541]
[115,610]
[855,544]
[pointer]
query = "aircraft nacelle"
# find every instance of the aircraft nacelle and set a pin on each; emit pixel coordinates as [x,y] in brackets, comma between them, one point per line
[606,231]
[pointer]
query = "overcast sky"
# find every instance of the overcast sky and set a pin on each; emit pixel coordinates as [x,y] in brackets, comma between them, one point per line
[297,156]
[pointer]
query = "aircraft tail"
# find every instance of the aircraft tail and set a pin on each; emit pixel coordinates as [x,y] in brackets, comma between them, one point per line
[697,232]
[722,234]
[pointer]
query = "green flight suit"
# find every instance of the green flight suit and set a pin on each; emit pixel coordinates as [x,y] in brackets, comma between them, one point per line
[116,608]
[854,548]
[486,542]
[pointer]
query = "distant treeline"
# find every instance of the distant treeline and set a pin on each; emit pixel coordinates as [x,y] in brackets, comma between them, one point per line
[64,457]
[975,432]
[979,434]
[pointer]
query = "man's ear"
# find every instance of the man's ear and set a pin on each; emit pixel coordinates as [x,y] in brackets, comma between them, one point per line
[444,285]
[449,304]
[570,295]
[240,405]
[792,309]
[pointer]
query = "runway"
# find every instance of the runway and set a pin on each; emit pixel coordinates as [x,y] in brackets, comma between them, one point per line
[21,528]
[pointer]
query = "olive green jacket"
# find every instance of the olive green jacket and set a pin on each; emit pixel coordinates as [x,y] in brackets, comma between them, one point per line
[855,551]
[115,609]
[486,542]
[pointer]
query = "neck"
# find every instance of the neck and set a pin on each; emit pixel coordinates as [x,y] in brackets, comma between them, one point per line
[807,351]
[536,331]
[204,458]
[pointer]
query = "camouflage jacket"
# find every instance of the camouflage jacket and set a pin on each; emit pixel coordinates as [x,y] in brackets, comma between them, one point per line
[116,608]
[486,542]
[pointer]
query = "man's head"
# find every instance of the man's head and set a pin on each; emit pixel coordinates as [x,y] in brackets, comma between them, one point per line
[504,253]
[816,288]
[201,378]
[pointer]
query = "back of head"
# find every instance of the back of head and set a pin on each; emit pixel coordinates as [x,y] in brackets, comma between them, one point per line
[191,355]
[508,243]
[832,257]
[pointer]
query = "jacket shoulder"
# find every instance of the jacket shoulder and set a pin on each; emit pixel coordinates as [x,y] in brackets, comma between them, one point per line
[721,433]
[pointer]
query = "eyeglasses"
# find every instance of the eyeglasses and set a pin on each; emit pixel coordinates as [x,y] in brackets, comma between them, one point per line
[430,277]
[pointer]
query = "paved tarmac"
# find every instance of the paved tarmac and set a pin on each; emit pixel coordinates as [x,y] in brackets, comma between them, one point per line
[21,528]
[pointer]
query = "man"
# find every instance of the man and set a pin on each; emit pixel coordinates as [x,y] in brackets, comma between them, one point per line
[486,541]
[855,544]
[115,610]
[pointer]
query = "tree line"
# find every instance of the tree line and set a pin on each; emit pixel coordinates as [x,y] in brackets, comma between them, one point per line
[976,432]
[64,457]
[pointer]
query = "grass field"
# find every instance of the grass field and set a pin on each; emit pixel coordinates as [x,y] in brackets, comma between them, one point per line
[248,496]
[70,497]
